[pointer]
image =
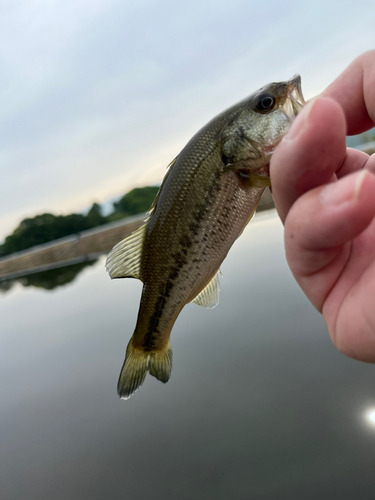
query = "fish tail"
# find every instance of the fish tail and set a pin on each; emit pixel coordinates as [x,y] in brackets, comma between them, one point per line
[138,362]
[160,365]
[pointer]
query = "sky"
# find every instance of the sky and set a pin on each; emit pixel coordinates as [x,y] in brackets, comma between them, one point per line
[98,96]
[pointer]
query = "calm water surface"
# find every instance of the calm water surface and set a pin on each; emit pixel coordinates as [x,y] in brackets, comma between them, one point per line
[260,404]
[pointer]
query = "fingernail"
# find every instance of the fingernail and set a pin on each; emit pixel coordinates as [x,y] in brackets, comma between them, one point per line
[300,122]
[344,190]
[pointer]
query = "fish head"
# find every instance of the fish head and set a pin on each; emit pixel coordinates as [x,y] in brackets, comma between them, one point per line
[257,124]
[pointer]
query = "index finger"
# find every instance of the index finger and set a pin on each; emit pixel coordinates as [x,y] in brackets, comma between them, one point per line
[354,91]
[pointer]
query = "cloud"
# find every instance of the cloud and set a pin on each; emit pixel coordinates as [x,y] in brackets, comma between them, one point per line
[99,96]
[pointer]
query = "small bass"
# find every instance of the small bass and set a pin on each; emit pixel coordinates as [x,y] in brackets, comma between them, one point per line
[209,194]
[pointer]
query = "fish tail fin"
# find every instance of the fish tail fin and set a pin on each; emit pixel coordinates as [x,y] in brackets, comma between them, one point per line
[160,365]
[136,365]
[133,372]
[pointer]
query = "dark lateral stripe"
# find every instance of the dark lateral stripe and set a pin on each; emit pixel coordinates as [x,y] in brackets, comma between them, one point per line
[180,260]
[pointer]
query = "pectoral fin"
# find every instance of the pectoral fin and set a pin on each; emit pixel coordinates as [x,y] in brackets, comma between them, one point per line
[209,296]
[259,181]
[124,260]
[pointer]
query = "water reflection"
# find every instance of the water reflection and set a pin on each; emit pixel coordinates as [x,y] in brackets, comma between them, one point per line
[260,404]
[49,280]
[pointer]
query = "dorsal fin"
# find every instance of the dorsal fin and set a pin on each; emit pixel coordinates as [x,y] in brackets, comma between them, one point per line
[154,203]
[209,296]
[124,260]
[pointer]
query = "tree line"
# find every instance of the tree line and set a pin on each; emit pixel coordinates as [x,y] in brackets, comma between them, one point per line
[48,227]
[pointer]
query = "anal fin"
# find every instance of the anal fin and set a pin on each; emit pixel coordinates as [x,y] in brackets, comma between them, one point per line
[209,296]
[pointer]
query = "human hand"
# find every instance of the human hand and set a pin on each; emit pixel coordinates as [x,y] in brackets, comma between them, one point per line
[325,196]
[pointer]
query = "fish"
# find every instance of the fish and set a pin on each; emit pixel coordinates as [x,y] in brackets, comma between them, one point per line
[207,197]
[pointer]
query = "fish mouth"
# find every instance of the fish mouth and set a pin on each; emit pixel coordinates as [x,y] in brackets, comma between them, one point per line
[294,101]
[292,104]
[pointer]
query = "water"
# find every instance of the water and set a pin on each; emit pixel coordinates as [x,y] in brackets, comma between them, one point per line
[260,404]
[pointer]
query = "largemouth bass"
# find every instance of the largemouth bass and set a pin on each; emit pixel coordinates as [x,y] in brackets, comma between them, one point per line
[208,196]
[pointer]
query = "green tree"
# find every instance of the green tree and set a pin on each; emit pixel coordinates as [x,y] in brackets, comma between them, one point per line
[138,200]
[95,217]
[48,227]
[41,229]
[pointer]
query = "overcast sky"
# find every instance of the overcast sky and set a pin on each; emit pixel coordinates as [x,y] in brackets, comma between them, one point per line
[98,96]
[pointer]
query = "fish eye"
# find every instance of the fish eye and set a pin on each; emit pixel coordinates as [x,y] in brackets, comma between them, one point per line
[266,102]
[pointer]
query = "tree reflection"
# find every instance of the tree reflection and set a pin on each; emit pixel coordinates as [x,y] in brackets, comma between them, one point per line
[49,280]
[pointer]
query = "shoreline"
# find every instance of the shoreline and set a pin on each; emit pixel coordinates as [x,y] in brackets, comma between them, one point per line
[80,247]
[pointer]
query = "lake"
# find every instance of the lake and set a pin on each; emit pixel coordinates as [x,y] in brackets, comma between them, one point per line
[260,404]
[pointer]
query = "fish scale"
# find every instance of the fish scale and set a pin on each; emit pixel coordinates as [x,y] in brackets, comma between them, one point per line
[209,194]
